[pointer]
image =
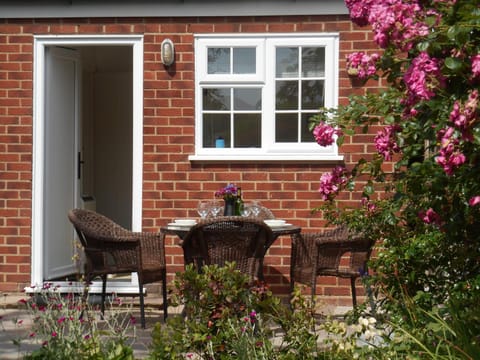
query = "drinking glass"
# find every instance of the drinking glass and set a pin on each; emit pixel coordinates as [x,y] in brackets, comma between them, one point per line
[245,210]
[203,208]
[255,208]
[215,207]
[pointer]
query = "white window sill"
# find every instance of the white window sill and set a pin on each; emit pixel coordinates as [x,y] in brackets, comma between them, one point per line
[298,158]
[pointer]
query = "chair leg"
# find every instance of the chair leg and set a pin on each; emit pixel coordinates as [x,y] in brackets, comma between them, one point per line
[164,292]
[292,287]
[354,293]
[104,290]
[142,305]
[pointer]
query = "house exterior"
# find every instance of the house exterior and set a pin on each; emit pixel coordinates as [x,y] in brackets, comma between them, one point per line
[91,117]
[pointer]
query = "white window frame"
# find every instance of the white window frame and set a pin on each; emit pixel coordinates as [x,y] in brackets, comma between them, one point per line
[265,78]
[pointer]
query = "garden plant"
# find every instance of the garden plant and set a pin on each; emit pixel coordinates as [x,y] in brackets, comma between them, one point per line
[65,326]
[226,317]
[421,190]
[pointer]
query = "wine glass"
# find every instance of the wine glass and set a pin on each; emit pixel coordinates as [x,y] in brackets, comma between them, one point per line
[245,210]
[203,208]
[255,207]
[215,207]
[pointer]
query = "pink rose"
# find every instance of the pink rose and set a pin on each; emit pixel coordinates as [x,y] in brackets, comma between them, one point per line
[474,200]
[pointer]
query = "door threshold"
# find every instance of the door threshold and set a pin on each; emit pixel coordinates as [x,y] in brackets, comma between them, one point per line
[117,287]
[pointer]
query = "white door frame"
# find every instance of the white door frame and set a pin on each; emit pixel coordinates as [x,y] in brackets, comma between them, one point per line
[40,42]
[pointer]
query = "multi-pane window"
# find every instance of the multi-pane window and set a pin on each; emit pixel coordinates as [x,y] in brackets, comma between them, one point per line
[256,93]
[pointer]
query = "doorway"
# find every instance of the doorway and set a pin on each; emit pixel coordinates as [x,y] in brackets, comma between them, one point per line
[87,143]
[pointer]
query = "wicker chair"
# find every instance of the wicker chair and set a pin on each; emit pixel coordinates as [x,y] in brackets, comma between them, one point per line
[111,249]
[265,213]
[233,239]
[319,254]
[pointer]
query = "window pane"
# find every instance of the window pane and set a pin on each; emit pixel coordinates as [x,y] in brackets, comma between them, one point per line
[286,62]
[312,94]
[247,130]
[244,61]
[313,61]
[216,99]
[286,95]
[306,134]
[218,61]
[286,128]
[247,99]
[216,125]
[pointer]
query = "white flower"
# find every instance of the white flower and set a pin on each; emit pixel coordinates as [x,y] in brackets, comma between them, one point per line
[362,321]
[357,328]
[369,334]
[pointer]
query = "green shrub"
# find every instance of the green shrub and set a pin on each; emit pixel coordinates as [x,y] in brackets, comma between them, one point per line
[225,317]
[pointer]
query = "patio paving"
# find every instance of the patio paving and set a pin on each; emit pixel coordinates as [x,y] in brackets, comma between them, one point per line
[11,330]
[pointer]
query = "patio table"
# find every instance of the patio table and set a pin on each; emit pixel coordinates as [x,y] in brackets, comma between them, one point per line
[286,229]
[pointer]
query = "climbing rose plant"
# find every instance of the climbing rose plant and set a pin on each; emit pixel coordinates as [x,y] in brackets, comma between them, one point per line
[420,190]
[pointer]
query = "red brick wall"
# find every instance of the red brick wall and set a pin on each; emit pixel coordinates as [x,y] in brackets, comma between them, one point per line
[171,184]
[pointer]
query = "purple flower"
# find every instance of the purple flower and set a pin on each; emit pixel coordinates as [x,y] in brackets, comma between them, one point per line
[464,115]
[450,157]
[370,206]
[430,217]
[359,11]
[330,183]
[474,200]
[362,65]
[61,320]
[422,78]
[227,192]
[397,22]
[324,133]
[476,65]
[385,141]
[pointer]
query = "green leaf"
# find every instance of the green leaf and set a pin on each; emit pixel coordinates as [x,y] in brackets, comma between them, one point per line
[453,63]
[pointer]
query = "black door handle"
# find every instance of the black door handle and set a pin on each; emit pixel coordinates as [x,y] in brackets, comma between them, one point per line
[80,162]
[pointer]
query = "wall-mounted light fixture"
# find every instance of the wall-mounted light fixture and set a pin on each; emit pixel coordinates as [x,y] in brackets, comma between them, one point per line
[168,52]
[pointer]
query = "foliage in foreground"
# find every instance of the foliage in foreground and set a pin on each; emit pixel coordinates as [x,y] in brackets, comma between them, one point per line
[66,327]
[420,190]
[227,318]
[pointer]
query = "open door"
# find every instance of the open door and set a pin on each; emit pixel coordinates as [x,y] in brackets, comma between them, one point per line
[61,148]
[87,145]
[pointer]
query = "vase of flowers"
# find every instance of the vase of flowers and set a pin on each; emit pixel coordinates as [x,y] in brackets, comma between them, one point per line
[228,194]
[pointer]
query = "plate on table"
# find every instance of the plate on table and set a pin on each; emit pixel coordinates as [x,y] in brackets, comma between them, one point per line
[182,224]
[274,226]
[276,223]
[185,222]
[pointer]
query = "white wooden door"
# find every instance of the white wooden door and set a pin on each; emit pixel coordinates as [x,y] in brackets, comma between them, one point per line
[61,148]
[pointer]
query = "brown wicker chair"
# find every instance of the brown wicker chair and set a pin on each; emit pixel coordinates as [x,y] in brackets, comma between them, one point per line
[111,249]
[265,213]
[233,239]
[319,254]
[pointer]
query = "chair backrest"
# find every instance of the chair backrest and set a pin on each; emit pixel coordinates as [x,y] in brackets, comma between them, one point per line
[233,239]
[108,247]
[333,244]
[265,213]
[93,227]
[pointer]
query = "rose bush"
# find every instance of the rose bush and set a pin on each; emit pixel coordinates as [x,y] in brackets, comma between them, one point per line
[425,211]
